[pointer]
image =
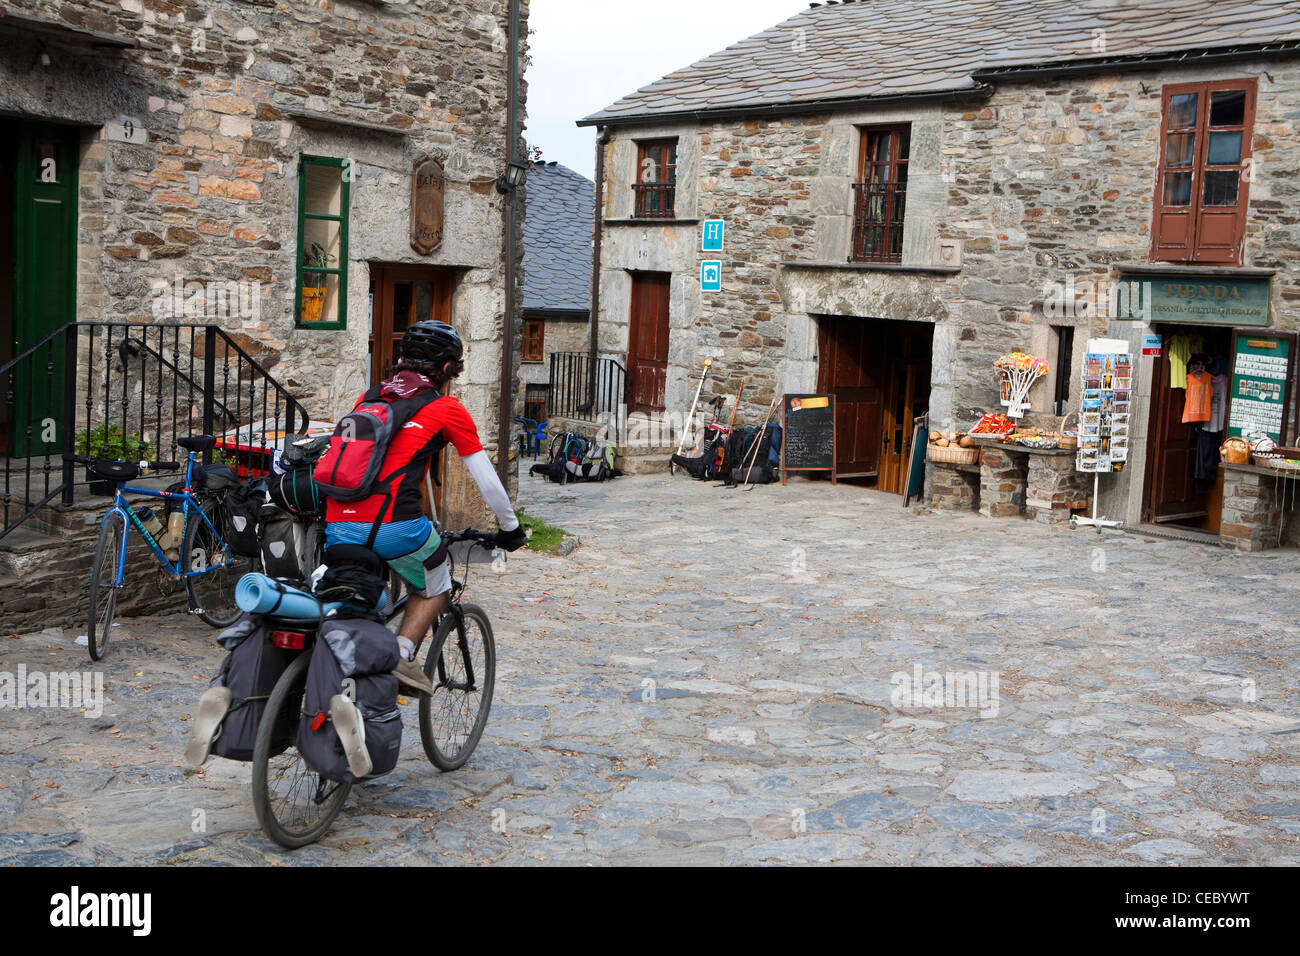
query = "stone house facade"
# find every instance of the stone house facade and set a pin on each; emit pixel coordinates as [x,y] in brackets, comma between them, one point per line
[1032,144]
[241,144]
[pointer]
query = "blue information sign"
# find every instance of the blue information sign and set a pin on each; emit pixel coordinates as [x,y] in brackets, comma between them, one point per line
[713,231]
[711,276]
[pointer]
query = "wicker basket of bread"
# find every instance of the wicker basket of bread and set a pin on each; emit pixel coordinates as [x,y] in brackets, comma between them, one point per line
[952,448]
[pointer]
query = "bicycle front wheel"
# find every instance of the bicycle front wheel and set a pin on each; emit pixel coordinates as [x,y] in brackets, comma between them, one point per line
[462,667]
[212,593]
[104,584]
[295,805]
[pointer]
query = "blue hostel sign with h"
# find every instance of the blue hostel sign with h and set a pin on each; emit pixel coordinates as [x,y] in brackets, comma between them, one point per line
[711,276]
[713,231]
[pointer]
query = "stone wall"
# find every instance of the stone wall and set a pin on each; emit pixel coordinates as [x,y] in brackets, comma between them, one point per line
[1259,510]
[230,98]
[562,335]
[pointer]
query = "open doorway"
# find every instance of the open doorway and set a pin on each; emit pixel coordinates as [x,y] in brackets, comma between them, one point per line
[879,372]
[1184,484]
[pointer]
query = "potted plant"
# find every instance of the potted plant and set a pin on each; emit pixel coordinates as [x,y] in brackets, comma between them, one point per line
[110,443]
[313,297]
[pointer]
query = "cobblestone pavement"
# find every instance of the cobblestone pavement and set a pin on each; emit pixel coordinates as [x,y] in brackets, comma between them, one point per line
[709,679]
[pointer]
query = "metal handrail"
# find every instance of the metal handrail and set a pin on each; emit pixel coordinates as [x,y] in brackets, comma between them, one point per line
[77,380]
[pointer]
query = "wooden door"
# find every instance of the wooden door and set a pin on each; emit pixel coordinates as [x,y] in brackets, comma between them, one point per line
[907,397]
[400,296]
[851,367]
[647,344]
[44,271]
[1171,452]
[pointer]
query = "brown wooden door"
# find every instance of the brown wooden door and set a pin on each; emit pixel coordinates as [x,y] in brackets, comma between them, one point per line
[1171,452]
[852,368]
[400,296]
[907,397]
[647,343]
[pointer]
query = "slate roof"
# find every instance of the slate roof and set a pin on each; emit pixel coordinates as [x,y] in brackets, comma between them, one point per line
[557,238]
[878,48]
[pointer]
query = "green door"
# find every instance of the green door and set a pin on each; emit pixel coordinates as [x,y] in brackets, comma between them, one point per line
[45,280]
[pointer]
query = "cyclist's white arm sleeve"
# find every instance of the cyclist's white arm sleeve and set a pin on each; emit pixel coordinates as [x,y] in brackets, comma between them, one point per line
[485,476]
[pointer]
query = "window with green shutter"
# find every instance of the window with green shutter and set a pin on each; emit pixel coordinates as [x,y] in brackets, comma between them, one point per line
[323,196]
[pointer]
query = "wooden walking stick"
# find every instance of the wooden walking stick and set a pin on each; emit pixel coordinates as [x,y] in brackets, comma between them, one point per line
[758,440]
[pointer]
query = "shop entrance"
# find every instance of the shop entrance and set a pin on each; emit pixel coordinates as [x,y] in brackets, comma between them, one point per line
[879,372]
[1184,484]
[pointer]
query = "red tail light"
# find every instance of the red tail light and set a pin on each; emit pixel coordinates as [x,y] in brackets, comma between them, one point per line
[289,640]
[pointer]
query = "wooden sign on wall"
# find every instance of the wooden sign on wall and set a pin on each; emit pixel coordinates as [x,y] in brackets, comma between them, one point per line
[427,185]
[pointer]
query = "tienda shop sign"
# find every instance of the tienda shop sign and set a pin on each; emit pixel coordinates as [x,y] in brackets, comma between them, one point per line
[1211,300]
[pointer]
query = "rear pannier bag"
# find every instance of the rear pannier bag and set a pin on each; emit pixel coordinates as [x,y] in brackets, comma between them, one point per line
[353,657]
[244,505]
[250,669]
[277,533]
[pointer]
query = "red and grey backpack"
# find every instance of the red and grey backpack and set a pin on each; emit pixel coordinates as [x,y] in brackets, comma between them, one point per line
[349,471]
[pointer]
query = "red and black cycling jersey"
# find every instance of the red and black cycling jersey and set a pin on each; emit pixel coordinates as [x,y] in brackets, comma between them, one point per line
[443,421]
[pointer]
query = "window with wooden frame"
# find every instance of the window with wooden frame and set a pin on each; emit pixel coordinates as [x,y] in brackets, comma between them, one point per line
[656,179]
[880,194]
[534,339]
[322,275]
[1204,175]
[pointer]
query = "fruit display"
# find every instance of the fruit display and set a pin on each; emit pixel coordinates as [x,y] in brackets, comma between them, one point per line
[991,426]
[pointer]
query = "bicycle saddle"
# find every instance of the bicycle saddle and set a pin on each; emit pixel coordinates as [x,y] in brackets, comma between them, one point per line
[197,442]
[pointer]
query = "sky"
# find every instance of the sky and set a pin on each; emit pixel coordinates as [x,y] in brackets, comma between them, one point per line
[588,53]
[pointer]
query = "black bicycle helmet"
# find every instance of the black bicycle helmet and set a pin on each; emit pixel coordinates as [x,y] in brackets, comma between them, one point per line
[432,342]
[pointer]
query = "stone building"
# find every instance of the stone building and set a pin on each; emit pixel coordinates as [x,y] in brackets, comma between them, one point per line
[911,188]
[557,278]
[265,149]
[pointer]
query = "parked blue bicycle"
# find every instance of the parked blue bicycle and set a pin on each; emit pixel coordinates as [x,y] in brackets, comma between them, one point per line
[193,549]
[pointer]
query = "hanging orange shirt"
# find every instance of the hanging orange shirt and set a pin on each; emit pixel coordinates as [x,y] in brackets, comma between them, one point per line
[1200,396]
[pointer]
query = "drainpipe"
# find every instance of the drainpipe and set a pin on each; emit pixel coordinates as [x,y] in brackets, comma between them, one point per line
[506,405]
[598,234]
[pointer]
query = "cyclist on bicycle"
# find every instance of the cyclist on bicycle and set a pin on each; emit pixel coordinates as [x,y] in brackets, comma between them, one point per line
[430,356]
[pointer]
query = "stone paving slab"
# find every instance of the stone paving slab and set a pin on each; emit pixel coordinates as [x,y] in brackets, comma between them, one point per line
[714,677]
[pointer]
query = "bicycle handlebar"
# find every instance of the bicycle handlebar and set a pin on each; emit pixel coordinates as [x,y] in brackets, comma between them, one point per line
[150,465]
[469,534]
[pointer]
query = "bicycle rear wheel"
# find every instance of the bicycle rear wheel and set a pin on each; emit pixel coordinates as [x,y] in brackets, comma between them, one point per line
[462,669]
[295,805]
[103,583]
[212,594]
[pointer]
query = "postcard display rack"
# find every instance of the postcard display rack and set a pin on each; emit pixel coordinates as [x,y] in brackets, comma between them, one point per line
[1104,418]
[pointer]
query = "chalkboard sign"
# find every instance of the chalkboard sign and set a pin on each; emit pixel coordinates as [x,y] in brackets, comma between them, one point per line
[916,455]
[1261,376]
[807,434]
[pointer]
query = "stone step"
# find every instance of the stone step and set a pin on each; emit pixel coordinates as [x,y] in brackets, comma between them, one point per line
[644,464]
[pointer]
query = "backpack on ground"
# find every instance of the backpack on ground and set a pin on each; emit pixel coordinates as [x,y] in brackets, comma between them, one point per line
[350,468]
[352,658]
[578,458]
[252,665]
[711,463]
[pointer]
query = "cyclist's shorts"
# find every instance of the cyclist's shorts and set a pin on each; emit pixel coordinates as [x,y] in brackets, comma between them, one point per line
[425,581]
[396,536]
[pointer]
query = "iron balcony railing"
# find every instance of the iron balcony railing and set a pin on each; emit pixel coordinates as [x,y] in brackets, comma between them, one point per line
[570,390]
[113,388]
[654,200]
[878,221]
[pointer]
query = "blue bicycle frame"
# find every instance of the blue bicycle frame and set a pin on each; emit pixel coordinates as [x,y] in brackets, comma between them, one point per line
[120,506]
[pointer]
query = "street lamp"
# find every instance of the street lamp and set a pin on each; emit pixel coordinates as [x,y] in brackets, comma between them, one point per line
[513,177]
